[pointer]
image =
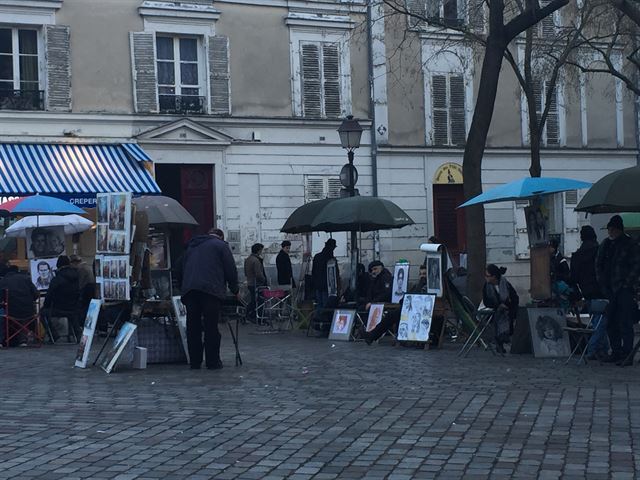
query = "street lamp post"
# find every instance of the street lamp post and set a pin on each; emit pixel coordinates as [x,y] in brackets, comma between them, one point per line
[350,133]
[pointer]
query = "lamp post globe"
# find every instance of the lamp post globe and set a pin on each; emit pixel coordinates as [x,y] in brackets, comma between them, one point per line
[350,133]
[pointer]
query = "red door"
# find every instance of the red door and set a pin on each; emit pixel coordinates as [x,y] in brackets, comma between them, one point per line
[449,221]
[196,192]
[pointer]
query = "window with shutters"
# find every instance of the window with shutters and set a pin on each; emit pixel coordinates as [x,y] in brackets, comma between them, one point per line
[319,187]
[551,131]
[180,81]
[546,28]
[20,79]
[320,78]
[448,109]
[447,13]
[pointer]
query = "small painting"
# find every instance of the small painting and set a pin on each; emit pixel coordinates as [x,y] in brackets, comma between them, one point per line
[415,318]
[110,359]
[42,272]
[180,312]
[434,274]
[84,348]
[332,278]
[375,315]
[400,280]
[43,242]
[548,336]
[342,324]
[161,282]
[537,225]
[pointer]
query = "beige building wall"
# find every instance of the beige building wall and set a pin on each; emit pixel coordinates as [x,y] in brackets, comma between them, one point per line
[360,91]
[101,79]
[505,130]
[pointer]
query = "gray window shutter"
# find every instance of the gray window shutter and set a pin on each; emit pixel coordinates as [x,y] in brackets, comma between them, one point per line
[333,187]
[219,75]
[439,109]
[418,8]
[58,60]
[538,97]
[310,74]
[331,71]
[547,27]
[552,124]
[476,15]
[457,110]
[145,84]
[314,189]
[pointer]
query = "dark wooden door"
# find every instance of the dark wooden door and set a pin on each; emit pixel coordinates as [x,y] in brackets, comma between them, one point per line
[196,185]
[449,221]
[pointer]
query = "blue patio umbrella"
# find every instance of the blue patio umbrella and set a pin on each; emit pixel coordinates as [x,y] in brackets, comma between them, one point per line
[38,205]
[528,187]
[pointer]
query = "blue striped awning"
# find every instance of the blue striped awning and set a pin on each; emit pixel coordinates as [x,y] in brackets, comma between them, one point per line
[74,169]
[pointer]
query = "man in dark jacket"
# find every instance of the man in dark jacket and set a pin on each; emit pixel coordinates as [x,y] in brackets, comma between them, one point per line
[617,268]
[380,284]
[583,264]
[63,296]
[256,277]
[22,294]
[319,273]
[207,268]
[283,265]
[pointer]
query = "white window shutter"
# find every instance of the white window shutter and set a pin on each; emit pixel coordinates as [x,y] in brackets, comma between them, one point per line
[331,71]
[547,25]
[58,61]
[314,189]
[475,14]
[440,109]
[310,74]
[145,85]
[521,237]
[333,187]
[219,75]
[457,110]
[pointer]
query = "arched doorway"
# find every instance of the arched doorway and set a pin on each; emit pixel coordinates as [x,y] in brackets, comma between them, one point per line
[447,195]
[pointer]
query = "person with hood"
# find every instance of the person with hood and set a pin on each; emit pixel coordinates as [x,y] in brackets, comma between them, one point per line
[499,295]
[63,296]
[617,269]
[207,269]
[22,295]
[256,277]
[319,273]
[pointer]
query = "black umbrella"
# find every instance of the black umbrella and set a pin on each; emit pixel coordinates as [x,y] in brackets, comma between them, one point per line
[164,211]
[361,214]
[616,192]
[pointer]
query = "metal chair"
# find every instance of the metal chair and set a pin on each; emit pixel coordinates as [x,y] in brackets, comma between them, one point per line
[482,319]
[583,333]
[14,326]
[273,309]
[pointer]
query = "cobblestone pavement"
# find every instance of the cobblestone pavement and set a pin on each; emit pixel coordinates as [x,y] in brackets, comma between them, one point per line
[313,408]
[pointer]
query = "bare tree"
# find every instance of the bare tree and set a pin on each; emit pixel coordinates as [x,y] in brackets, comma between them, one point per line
[506,21]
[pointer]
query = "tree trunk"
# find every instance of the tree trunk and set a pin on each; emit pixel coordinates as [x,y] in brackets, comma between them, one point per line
[535,169]
[472,165]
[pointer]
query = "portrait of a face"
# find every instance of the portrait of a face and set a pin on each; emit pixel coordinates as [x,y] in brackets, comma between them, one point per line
[42,272]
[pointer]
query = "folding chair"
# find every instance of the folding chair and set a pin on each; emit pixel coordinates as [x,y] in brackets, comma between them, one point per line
[274,311]
[583,333]
[14,326]
[482,318]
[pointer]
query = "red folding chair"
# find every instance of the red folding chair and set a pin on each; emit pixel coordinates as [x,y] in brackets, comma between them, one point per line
[14,327]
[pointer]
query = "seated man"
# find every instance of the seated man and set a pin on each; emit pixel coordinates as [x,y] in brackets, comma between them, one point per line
[22,297]
[391,320]
[63,297]
[380,284]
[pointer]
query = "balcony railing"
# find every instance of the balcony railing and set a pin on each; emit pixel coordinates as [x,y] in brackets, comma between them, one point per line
[21,99]
[182,104]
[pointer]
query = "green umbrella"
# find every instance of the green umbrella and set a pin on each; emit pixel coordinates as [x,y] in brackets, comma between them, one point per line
[361,214]
[300,220]
[615,192]
[631,221]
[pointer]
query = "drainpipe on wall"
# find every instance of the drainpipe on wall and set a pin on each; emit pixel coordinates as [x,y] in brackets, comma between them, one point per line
[372,113]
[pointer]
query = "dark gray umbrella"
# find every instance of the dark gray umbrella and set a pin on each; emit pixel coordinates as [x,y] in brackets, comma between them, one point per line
[616,192]
[164,211]
[359,214]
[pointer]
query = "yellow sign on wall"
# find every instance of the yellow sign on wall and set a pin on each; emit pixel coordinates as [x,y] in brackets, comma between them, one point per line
[448,173]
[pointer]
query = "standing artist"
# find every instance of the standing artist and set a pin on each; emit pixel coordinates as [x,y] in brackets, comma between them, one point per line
[207,269]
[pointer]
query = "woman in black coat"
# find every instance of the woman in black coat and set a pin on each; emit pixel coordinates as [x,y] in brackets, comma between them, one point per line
[500,295]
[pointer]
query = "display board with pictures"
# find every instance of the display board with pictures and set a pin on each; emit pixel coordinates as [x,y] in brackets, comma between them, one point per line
[400,280]
[548,335]
[158,250]
[113,228]
[434,274]
[342,324]
[84,347]
[415,318]
[376,311]
[44,242]
[112,274]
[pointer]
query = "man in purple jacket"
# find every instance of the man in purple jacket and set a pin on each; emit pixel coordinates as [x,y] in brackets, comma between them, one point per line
[207,268]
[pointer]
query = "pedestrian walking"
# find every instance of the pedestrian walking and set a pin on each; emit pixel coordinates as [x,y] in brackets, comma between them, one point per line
[617,267]
[207,269]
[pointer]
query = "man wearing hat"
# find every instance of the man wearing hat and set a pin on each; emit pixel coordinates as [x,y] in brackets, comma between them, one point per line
[617,268]
[319,273]
[380,284]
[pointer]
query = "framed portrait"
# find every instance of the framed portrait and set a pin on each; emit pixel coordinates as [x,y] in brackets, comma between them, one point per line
[415,318]
[158,258]
[84,348]
[43,242]
[548,337]
[161,282]
[180,311]
[124,335]
[332,278]
[400,280]
[375,315]
[537,225]
[102,204]
[434,274]
[342,324]
[42,272]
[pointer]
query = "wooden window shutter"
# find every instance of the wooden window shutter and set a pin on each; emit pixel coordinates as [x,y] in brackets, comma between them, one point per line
[58,61]
[547,27]
[475,14]
[457,110]
[314,189]
[331,72]
[145,85]
[311,97]
[333,187]
[538,96]
[552,123]
[417,8]
[219,76]
[440,109]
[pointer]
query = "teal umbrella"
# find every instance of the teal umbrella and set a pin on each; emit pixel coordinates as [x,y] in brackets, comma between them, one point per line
[613,193]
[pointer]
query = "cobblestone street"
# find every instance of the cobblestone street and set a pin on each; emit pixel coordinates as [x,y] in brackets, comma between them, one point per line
[313,408]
